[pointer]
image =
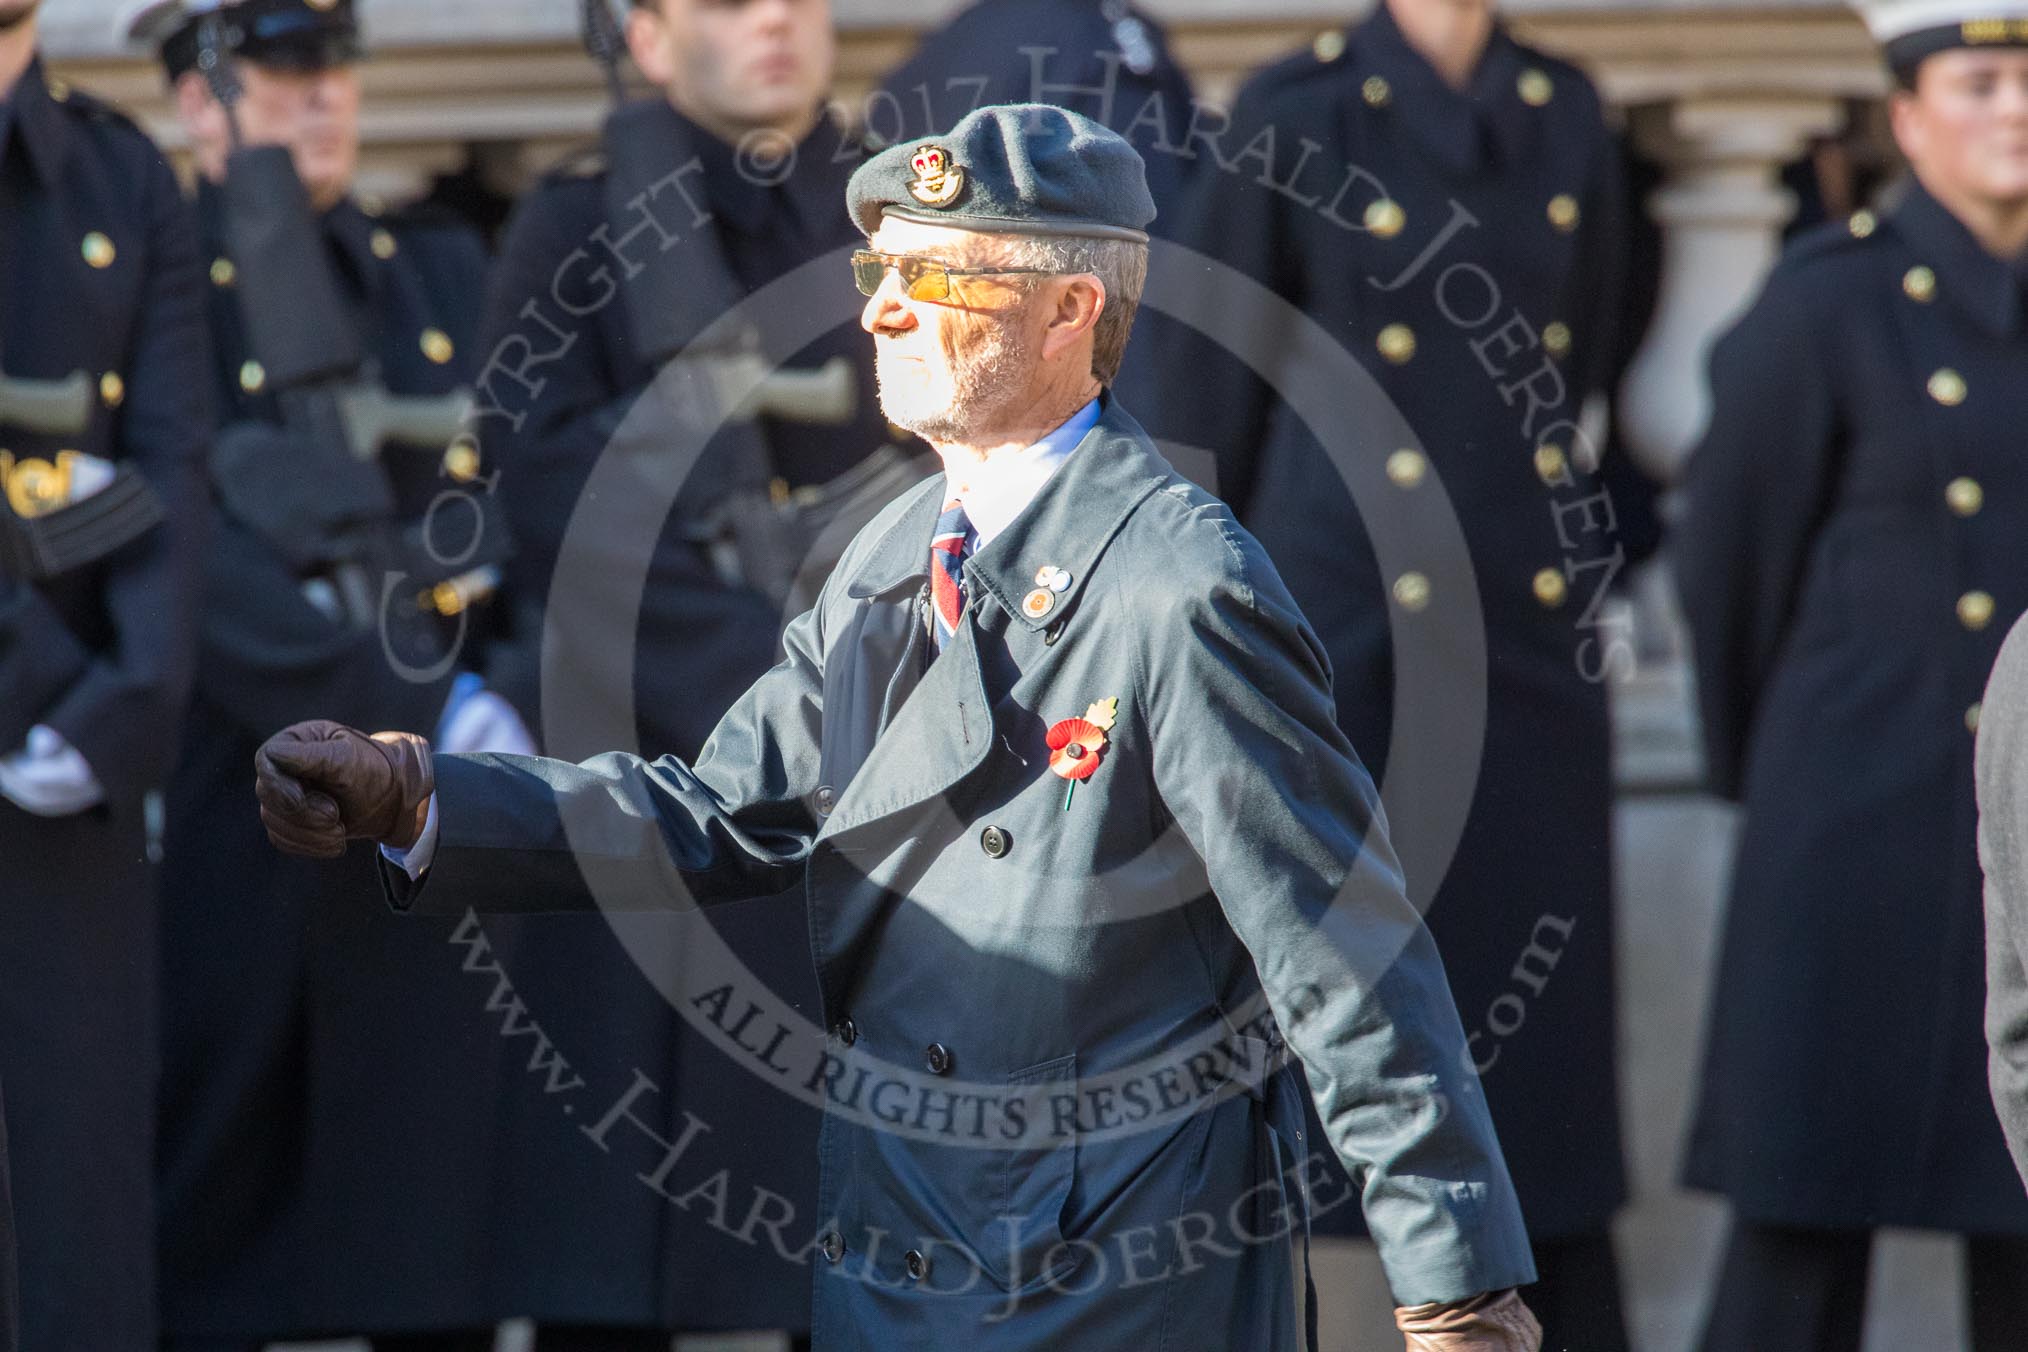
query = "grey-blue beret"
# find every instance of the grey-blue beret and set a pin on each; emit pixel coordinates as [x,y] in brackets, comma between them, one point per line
[1020,168]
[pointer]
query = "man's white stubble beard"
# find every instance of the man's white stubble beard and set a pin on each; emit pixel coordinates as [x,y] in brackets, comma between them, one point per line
[985,383]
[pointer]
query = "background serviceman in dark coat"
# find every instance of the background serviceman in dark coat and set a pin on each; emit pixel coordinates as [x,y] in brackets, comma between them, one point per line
[1850,558]
[1449,207]
[1102,58]
[983,934]
[734,156]
[298,1198]
[104,414]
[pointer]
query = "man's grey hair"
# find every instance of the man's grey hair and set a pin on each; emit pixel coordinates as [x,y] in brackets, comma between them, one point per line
[1120,265]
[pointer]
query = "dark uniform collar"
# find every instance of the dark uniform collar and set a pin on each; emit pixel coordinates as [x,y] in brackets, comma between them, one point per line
[1484,125]
[740,193]
[1067,526]
[1987,289]
[31,117]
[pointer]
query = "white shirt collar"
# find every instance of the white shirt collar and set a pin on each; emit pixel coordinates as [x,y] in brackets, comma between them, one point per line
[1003,485]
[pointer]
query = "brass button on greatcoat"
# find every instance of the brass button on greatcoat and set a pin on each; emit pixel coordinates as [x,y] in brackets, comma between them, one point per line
[1411,591]
[1563,212]
[1397,343]
[252,376]
[112,389]
[1330,45]
[1965,496]
[1975,610]
[98,251]
[1551,465]
[1920,284]
[1972,717]
[383,244]
[1377,92]
[1385,218]
[223,273]
[1550,588]
[1556,338]
[1406,469]
[436,345]
[1947,387]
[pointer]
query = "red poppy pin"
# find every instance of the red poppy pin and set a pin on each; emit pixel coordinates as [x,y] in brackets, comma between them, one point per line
[1076,745]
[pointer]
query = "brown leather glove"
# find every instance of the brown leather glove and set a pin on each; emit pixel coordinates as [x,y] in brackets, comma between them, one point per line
[1495,1321]
[321,784]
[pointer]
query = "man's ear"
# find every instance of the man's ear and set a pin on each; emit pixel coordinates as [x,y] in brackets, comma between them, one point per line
[646,29]
[1079,301]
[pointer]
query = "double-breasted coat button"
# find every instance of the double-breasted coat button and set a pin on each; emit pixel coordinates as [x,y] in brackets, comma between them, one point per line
[1920,284]
[1550,588]
[1385,218]
[1330,45]
[1535,87]
[845,1031]
[936,1058]
[383,244]
[1975,610]
[1862,224]
[1965,496]
[1405,469]
[252,376]
[917,1264]
[223,273]
[832,1246]
[1947,387]
[436,345]
[1397,343]
[1377,92]
[98,251]
[1563,212]
[827,799]
[461,460]
[112,389]
[1552,466]
[1556,338]
[995,842]
[1972,717]
[1411,591]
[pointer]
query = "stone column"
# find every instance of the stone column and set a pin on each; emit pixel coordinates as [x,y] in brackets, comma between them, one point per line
[1721,210]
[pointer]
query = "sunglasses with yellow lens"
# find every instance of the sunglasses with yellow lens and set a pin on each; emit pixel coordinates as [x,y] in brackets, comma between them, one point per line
[921,278]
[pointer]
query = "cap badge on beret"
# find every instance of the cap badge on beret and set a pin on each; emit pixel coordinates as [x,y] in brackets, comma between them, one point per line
[937,180]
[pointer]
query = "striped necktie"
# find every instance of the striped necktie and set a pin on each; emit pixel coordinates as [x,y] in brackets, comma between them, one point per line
[946,572]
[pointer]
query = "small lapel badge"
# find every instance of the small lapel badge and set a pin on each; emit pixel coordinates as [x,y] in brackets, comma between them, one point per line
[937,181]
[1076,745]
[1054,578]
[1038,603]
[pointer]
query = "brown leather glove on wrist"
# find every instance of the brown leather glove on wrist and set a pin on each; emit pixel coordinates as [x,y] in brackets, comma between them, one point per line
[1495,1321]
[321,784]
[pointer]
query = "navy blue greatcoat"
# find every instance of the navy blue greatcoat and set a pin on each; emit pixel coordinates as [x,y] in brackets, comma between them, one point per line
[1461,246]
[1096,57]
[99,275]
[584,1236]
[1850,561]
[292,1077]
[1045,1018]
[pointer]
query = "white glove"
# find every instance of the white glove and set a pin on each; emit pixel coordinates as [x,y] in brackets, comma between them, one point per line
[476,719]
[49,777]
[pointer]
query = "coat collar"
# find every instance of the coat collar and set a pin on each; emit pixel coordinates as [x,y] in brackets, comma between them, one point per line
[1485,125]
[33,118]
[1988,290]
[1067,526]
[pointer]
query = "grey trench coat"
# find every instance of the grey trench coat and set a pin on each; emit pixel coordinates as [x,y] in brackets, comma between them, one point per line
[1044,1035]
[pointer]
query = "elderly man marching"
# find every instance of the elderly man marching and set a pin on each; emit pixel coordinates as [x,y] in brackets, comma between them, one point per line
[1053,755]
